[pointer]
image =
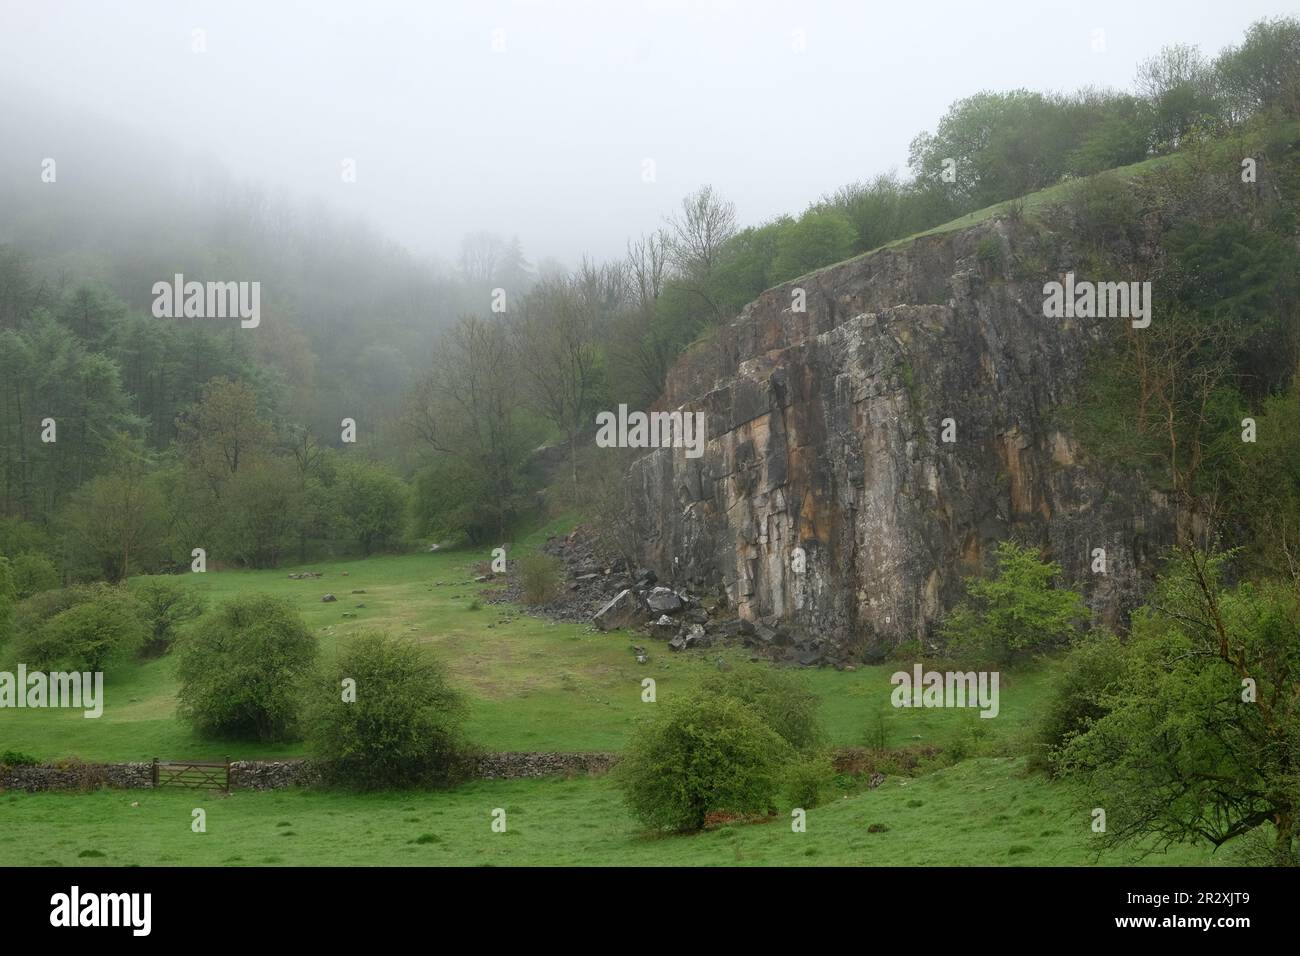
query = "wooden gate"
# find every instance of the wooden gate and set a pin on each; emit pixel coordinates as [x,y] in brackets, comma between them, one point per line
[192,774]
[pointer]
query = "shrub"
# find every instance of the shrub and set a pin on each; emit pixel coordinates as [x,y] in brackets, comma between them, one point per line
[402,729]
[780,699]
[32,574]
[1013,613]
[31,614]
[243,669]
[1077,698]
[807,778]
[166,604]
[101,625]
[700,755]
[16,758]
[541,576]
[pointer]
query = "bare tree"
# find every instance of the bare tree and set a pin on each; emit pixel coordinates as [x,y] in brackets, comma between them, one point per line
[481,254]
[705,224]
[556,338]
[465,406]
[643,347]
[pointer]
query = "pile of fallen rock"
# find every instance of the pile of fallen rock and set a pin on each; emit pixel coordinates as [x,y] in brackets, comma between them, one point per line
[613,596]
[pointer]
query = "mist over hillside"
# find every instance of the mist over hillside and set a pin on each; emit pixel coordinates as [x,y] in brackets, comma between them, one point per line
[691,434]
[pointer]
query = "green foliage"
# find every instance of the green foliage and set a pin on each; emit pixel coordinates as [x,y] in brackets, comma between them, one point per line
[782,701]
[807,778]
[7,596]
[541,576]
[404,727]
[116,520]
[33,573]
[101,627]
[166,603]
[1263,73]
[1015,612]
[818,238]
[371,503]
[700,755]
[16,758]
[1263,488]
[261,513]
[1087,678]
[1200,738]
[243,668]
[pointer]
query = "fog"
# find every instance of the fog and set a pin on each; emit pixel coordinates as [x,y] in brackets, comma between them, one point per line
[571,125]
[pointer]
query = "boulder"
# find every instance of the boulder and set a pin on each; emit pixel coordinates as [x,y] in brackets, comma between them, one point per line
[664,601]
[689,637]
[664,628]
[724,630]
[327,598]
[621,611]
[644,578]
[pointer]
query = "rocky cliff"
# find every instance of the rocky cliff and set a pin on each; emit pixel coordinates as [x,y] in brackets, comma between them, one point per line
[826,433]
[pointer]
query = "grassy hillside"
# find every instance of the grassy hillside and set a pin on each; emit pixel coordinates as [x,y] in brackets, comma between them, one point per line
[534,685]
[980,812]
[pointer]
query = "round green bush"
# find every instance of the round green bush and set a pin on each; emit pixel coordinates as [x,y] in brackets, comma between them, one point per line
[32,574]
[807,778]
[89,628]
[778,697]
[697,756]
[243,669]
[403,727]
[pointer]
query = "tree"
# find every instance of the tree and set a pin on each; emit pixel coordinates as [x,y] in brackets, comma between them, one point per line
[1201,735]
[262,513]
[643,346]
[402,726]
[818,238]
[33,573]
[697,756]
[556,335]
[1264,72]
[243,669]
[699,232]
[370,503]
[1179,83]
[223,431]
[467,411]
[1016,611]
[783,702]
[165,604]
[117,518]
[104,626]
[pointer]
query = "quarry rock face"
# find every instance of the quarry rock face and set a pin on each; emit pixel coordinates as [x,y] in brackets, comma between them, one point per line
[827,497]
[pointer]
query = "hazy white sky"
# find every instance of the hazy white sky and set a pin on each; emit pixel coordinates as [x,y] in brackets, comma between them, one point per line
[773,103]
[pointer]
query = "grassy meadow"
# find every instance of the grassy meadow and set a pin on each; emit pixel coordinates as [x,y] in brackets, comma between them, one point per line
[537,685]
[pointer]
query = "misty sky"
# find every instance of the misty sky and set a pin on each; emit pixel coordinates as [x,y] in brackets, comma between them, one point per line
[547,137]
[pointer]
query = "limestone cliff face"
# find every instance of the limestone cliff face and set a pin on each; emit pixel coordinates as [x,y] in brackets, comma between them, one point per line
[824,433]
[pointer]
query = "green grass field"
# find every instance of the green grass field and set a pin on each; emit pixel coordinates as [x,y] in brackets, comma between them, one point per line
[984,811]
[535,685]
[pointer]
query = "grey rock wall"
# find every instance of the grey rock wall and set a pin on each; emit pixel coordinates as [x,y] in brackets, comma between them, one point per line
[824,433]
